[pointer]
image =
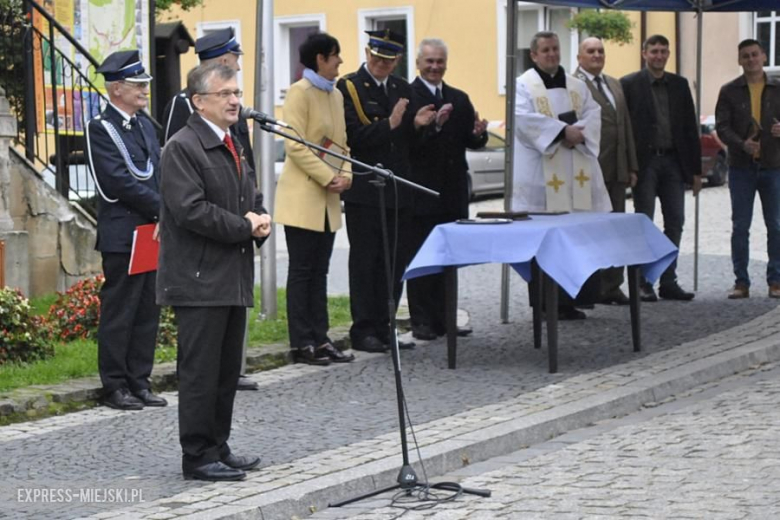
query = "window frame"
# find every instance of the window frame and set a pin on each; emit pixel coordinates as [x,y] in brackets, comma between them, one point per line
[282,25]
[366,18]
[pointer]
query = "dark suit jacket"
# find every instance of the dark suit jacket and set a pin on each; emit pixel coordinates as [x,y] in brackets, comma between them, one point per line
[178,111]
[136,202]
[617,151]
[439,160]
[369,136]
[682,115]
[206,253]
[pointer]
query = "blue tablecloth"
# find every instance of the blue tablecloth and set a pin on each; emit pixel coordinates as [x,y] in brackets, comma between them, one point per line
[569,248]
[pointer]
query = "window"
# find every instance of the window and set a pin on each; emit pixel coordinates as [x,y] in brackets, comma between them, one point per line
[204,28]
[766,30]
[289,33]
[399,20]
[532,18]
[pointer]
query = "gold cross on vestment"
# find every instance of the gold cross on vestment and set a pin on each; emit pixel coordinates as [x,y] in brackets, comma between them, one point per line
[582,178]
[555,183]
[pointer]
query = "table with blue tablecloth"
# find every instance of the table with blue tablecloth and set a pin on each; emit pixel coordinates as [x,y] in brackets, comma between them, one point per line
[567,249]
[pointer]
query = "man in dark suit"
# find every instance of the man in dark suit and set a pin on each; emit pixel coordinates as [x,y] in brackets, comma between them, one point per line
[617,154]
[123,155]
[210,215]
[439,162]
[666,134]
[215,47]
[379,131]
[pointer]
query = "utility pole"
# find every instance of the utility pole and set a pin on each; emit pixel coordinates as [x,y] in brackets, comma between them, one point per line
[264,141]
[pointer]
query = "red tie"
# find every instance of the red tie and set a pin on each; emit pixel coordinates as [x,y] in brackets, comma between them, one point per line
[232,148]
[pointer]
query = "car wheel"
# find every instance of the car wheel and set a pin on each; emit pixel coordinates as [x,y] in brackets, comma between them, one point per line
[719,173]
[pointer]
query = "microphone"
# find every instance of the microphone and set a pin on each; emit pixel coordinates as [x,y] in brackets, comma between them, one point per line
[250,113]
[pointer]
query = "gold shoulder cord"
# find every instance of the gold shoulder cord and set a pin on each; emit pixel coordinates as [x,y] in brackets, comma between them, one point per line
[356,101]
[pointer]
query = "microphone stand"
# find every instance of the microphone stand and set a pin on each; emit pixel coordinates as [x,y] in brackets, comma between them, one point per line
[407,478]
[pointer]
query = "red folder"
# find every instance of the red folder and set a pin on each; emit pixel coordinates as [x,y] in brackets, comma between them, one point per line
[143,257]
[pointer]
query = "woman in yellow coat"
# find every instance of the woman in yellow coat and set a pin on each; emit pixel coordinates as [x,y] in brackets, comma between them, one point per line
[307,198]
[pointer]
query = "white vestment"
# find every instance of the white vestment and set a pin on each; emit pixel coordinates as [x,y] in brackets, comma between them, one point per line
[547,175]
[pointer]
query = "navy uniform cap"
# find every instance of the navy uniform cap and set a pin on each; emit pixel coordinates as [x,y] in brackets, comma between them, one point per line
[124,66]
[217,43]
[385,43]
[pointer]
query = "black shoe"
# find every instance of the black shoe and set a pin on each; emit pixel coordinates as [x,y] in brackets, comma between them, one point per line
[616,296]
[334,354]
[310,356]
[647,293]
[369,344]
[244,463]
[423,332]
[122,399]
[464,331]
[244,383]
[406,345]
[214,472]
[674,292]
[149,399]
[570,314]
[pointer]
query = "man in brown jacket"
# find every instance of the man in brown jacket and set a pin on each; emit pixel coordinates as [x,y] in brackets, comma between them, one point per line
[748,121]
[617,154]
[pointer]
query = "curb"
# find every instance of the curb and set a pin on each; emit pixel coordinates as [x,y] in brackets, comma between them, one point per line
[38,401]
[518,423]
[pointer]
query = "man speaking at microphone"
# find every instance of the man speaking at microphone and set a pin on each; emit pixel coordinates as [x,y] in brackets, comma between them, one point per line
[210,215]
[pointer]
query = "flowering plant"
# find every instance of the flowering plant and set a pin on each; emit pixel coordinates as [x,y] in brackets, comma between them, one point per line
[76,312]
[23,336]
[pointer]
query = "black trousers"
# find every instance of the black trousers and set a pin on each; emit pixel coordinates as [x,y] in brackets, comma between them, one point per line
[367,280]
[127,331]
[209,360]
[662,178]
[307,285]
[426,293]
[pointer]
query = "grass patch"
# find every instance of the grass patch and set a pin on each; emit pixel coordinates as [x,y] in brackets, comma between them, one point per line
[78,358]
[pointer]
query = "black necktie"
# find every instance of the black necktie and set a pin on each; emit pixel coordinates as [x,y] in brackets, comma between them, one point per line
[600,86]
[438,94]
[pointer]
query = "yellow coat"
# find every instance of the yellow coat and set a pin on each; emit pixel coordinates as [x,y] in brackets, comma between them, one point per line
[301,197]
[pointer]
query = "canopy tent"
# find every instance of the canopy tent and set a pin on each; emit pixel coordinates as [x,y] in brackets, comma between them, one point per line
[696,6]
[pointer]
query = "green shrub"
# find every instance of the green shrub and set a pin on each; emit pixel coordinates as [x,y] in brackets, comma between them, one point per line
[166,333]
[605,24]
[23,336]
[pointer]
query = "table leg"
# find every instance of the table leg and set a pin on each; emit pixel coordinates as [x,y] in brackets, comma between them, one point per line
[551,308]
[536,301]
[451,313]
[633,296]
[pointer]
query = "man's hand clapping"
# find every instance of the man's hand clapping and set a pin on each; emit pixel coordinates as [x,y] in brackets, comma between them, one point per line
[425,116]
[398,113]
[480,125]
[261,224]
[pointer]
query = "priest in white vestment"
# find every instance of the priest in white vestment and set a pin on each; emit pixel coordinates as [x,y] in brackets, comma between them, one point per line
[557,131]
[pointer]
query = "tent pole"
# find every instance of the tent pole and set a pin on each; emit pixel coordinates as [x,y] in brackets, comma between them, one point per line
[697,198]
[509,124]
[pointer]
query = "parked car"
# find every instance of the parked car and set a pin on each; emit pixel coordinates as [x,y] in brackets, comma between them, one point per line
[714,155]
[486,166]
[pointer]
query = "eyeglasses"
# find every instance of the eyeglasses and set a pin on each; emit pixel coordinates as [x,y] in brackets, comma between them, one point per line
[139,85]
[224,94]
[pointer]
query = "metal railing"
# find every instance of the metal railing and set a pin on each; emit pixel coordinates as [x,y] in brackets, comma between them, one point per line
[44,71]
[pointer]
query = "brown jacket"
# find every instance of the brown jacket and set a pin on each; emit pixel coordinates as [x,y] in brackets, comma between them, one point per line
[734,122]
[617,150]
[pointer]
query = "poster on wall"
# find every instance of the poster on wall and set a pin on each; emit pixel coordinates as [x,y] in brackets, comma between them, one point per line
[101,27]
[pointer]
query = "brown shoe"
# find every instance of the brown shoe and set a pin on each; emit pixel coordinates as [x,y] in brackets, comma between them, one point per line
[774,290]
[740,291]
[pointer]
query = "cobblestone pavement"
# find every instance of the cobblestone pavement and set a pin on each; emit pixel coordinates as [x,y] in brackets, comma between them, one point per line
[310,422]
[711,454]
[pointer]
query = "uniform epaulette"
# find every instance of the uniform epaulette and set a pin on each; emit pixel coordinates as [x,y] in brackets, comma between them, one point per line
[350,75]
